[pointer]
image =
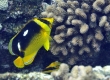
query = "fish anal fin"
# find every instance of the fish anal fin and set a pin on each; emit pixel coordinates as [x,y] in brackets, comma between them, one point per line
[29,58]
[19,62]
[47,45]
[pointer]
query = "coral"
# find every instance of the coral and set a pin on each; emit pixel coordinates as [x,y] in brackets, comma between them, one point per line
[97,5]
[107,9]
[23,76]
[81,73]
[3,4]
[62,71]
[79,27]
[76,73]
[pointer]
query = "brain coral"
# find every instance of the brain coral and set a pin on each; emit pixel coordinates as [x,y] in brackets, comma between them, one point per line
[79,28]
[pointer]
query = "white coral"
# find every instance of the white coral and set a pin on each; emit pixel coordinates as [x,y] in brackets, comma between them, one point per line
[97,5]
[103,20]
[98,35]
[107,9]
[85,7]
[70,11]
[76,22]
[80,13]
[84,28]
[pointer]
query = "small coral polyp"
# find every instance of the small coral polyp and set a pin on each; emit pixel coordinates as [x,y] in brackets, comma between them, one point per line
[80,27]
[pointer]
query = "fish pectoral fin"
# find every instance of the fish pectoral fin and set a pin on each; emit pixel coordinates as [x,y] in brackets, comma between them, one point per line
[29,58]
[47,45]
[19,62]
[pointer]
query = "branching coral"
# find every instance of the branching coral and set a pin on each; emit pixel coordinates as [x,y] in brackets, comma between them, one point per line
[81,73]
[77,73]
[63,70]
[79,27]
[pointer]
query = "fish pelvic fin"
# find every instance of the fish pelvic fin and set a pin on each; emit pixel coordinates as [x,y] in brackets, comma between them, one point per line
[29,58]
[19,62]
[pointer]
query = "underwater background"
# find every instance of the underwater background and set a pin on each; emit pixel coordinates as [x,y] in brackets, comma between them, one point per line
[80,39]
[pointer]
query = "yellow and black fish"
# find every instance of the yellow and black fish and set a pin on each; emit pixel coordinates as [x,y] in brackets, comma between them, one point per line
[26,43]
[52,67]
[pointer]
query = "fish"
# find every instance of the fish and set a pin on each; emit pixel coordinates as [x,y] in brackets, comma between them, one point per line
[52,67]
[27,42]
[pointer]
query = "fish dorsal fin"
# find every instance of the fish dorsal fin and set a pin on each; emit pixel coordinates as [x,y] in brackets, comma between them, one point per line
[49,20]
[54,64]
[29,58]
[19,62]
[42,25]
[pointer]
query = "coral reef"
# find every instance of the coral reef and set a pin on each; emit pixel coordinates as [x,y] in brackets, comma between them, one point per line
[79,29]
[81,73]
[70,31]
[63,73]
[29,76]
[19,9]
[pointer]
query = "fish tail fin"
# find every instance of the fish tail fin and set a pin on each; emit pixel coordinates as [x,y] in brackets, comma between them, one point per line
[19,62]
